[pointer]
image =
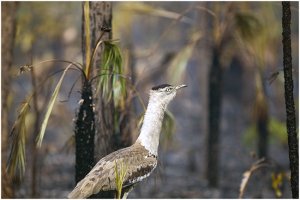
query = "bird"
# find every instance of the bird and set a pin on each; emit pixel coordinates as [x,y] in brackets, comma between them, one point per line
[139,160]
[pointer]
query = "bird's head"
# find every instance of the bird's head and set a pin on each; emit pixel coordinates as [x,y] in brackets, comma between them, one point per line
[165,92]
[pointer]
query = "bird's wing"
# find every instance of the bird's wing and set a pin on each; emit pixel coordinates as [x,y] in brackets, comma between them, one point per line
[140,167]
[137,163]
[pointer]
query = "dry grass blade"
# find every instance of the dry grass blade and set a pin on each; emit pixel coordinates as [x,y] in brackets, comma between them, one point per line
[87,37]
[27,68]
[146,9]
[213,14]
[49,108]
[180,61]
[246,176]
[17,155]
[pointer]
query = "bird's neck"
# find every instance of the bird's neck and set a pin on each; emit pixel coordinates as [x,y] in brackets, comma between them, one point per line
[150,131]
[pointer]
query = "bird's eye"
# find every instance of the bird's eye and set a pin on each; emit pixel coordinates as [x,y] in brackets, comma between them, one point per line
[168,89]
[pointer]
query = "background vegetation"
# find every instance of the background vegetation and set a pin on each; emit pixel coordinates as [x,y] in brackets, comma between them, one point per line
[230,138]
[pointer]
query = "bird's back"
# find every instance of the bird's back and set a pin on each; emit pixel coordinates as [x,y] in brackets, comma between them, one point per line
[137,162]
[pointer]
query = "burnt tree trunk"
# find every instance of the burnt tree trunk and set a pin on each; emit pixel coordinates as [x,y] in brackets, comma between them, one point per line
[215,87]
[214,113]
[8,19]
[111,120]
[263,133]
[100,18]
[261,115]
[289,99]
[85,134]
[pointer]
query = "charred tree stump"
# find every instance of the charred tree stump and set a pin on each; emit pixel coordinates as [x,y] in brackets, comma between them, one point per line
[85,134]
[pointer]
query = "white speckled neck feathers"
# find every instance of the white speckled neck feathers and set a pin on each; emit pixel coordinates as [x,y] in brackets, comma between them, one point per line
[150,131]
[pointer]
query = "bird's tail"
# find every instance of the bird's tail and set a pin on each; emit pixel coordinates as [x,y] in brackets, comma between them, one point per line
[83,189]
[79,191]
[75,194]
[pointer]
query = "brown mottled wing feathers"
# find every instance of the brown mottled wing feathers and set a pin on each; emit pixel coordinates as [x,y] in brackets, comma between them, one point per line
[139,165]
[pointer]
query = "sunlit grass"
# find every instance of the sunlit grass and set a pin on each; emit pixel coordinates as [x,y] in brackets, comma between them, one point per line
[120,173]
[17,157]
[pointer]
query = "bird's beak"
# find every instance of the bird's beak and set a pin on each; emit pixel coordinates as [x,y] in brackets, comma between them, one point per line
[180,86]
